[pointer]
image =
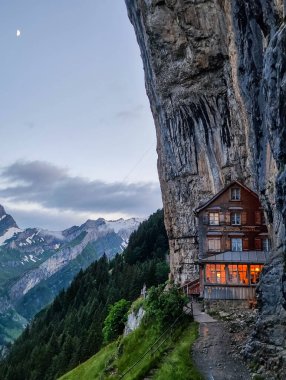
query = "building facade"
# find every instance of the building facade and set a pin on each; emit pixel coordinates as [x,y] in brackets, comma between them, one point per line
[233,243]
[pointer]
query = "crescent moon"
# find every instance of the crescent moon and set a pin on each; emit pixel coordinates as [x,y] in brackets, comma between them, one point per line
[18,33]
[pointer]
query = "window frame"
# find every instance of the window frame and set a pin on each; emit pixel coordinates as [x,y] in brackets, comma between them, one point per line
[232,274]
[217,274]
[234,191]
[235,214]
[215,218]
[232,244]
[216,239]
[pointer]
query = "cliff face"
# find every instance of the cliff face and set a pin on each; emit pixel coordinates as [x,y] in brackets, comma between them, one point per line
[215,74]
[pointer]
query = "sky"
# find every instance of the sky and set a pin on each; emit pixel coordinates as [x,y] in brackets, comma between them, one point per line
[77,139]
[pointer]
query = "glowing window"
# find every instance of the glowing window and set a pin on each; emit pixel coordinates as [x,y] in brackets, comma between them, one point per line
[242,274]
[214,218]
[215,274]
[237,274]
[232,274]
[255,271]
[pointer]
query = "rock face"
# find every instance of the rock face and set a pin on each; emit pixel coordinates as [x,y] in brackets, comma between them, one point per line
[133,320]
[215,73]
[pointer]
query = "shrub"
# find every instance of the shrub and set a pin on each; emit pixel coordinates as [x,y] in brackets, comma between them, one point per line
[115,320]
[164,305]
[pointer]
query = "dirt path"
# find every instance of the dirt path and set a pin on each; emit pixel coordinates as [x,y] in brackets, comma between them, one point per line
[213,350]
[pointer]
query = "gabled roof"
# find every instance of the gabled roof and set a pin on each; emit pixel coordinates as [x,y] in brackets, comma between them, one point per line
[203,206]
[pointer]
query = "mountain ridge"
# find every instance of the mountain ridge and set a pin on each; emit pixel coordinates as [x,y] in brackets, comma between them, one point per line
[36,264]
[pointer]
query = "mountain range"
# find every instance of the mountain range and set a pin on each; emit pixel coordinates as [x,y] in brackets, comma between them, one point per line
[36,264]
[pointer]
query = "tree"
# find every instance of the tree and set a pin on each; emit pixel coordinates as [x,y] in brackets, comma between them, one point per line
[115,320]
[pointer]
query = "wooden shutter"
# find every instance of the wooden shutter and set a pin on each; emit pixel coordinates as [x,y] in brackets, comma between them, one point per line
[227,244]
[205,218]
[258,217]
[245,244]
[227,217]
[221,218]
[244,218]
[258,244]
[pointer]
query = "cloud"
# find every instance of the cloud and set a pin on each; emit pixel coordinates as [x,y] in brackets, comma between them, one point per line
[135,113]
[53,187]
[29,124]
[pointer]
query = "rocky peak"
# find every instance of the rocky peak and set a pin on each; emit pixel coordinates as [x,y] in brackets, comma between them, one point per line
[2,211]
[93,223]
[6,222]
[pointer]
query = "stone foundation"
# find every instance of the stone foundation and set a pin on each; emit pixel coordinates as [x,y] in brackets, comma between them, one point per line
[228,306]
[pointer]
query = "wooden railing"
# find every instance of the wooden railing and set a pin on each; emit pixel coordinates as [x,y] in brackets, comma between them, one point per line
[192,287]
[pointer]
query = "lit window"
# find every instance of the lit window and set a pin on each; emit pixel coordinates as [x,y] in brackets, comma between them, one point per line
[266,245]
[236,245]
[255,271]
[214,218]
[242,274]
[236,218]
[215,274]
[235,194]
[232,274]
[237,274]
[214,244]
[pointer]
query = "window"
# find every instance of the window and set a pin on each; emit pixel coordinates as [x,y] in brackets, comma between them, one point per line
[236,218]
[232,274]
[215,274]
[242,274]
[235,194]
[237,274]
[214,244]
[236,245]
[266,245]
[214,218]
[255,271]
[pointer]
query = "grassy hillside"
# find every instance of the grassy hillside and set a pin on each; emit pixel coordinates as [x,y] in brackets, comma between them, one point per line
[171,361]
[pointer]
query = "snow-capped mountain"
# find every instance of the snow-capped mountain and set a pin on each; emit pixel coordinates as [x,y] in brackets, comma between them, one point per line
[36,241]
[35,264]
[8,226]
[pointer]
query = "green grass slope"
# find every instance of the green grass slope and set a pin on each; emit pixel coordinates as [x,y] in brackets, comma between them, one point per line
[172,360]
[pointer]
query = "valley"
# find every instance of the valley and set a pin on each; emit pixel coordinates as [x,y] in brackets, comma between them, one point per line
[36,264]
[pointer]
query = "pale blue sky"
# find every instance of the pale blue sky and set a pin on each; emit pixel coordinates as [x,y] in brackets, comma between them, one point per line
[73,102]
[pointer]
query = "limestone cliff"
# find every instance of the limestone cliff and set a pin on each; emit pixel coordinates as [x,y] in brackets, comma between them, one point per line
[215,73]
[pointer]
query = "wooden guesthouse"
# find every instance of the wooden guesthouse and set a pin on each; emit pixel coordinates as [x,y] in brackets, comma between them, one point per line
[233,243]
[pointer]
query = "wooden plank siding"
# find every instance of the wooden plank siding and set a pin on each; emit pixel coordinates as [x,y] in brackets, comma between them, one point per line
[229,292]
